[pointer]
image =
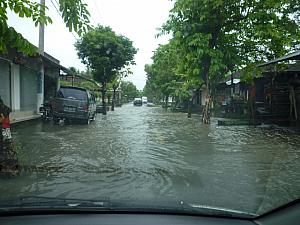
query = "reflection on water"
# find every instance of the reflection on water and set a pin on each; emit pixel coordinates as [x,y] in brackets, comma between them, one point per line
[143,154]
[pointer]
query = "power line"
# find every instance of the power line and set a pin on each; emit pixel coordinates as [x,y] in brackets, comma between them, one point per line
[92,18]
[55,7]
[60,14]
[98,12]
[56,2]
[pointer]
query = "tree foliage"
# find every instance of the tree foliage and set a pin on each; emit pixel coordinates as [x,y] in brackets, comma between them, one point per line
[129,90]
[213,38]
[74,14]
[117,78]
[165,76]
[105,52]
[162,73]
[218,36]
[151,89]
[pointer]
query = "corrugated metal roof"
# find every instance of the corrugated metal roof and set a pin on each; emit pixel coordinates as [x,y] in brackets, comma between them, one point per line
[292,56]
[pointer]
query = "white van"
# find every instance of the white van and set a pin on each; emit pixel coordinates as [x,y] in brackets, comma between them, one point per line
[144,100]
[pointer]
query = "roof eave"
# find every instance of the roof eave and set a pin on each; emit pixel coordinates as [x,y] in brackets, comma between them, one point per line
[292,56]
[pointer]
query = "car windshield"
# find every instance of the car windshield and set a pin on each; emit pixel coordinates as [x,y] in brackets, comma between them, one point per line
[180,106]
[72,93]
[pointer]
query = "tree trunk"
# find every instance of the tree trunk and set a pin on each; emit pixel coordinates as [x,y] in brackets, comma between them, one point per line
[166,101]
[108,99]
[206,67]
[103,98]
[190,103]
[113,99]
[252,99]
[206,113]
[189,109]
[293,103]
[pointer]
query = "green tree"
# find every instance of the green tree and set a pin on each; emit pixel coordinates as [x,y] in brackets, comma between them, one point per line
[105,53]
[219,36]
[74,70]
[115,83]
[74,14]
[151,89]
[165,76]
[164,69]
[129,90]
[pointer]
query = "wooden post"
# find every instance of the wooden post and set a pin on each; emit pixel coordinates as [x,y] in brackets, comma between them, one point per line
[294,103]
[189,109]
[252,103]
[166,99]
[103,98]
[291,102]
[114,98]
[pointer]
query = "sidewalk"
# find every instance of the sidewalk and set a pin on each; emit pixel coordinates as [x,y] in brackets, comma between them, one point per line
[16,117]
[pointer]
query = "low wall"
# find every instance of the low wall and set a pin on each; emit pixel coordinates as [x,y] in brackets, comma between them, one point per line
[20,116]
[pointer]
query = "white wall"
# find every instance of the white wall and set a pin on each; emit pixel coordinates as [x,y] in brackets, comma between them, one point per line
[15,87]
[28,89]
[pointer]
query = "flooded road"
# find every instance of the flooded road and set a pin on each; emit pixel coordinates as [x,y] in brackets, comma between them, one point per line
[148,154]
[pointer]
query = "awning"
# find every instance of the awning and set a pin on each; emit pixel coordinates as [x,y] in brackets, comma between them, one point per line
[69,72]
[236,78]
[235,81]
[292,56]
[55,63]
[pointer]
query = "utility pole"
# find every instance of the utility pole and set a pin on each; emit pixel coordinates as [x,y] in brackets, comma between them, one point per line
[41,72]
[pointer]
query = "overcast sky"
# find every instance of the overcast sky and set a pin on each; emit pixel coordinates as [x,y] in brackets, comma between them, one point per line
[136,19]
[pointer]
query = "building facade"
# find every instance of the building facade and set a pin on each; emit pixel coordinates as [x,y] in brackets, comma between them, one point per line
[19,83]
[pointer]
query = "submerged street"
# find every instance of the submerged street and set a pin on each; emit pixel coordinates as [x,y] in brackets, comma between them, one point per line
[146,153]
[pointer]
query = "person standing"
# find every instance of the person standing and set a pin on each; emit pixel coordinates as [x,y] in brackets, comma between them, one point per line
[4,118]
[8,157]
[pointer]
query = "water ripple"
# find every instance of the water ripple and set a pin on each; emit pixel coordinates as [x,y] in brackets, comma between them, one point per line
[143,153]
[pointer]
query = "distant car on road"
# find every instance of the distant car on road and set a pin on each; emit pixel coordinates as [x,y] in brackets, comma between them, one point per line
[99,108]
[74,103]
[137,102]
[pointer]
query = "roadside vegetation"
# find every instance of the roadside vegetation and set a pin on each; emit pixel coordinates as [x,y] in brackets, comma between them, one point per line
[213,39]
[107,54]
[129,91]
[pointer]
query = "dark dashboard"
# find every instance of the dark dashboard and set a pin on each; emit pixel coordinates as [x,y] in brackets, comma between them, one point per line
[117,219]
[286,215]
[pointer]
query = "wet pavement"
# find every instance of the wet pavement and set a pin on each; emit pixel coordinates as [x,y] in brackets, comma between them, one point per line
[144,153]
